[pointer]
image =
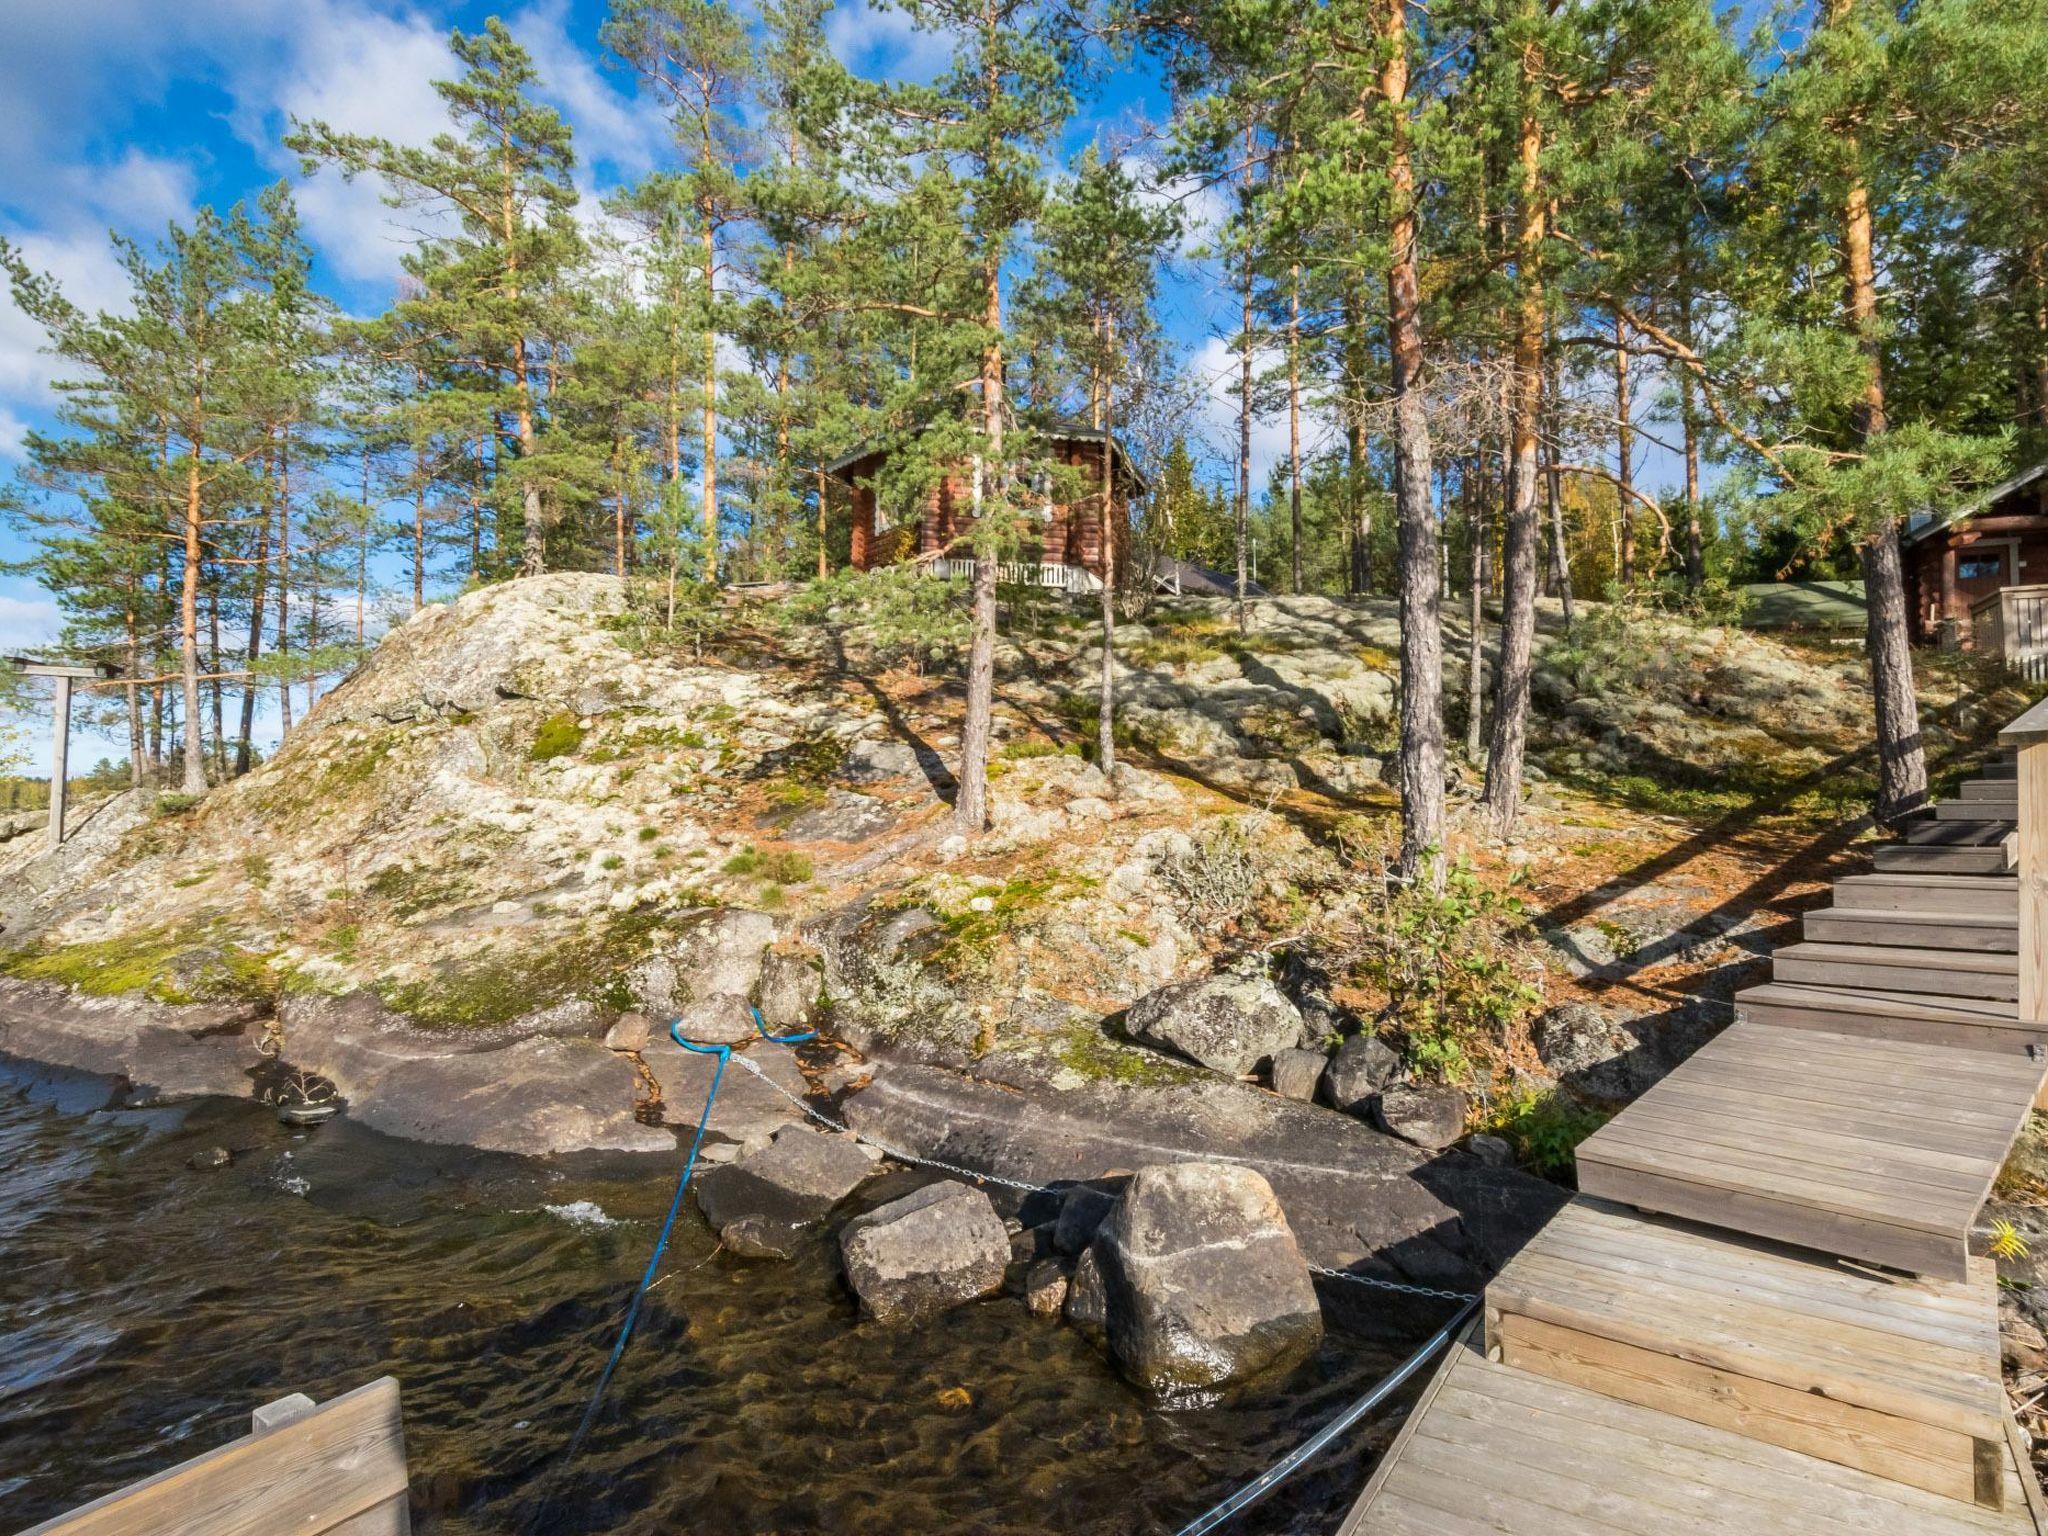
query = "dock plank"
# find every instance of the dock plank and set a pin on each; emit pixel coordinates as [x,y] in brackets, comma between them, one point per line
[1873,1149]
[1507,1452]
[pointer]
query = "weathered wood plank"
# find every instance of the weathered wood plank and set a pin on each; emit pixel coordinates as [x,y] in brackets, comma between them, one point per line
[342,1463]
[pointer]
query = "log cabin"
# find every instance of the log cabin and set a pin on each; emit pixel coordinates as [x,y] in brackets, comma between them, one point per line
[1965,571]
[1063,547]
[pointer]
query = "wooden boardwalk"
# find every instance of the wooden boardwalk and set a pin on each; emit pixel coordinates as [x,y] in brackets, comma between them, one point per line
[1761,1314]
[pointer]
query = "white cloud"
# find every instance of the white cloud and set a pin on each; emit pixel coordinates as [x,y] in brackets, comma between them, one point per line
[13,433]
[879,42]
[1218,364]
[1204,207]
[610,124]
[28,624]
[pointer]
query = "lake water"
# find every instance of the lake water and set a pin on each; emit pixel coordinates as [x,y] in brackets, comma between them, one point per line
[146,1307]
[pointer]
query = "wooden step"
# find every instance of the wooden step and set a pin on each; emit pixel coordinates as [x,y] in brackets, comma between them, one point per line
[1872,1149]
[1897,1377]
[1909,858]
[1921,930]
[1494,1450]
[1987,789]
[1969,1023]
[1993,895]
[1886,968]
[1933,829]
[2006,809]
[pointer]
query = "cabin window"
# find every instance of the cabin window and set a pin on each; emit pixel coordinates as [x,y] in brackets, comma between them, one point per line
[1979,566]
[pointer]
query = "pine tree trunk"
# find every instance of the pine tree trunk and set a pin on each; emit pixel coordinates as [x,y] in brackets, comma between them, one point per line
[1294,428]
[1624,453]
[284,586]
[1244,422]
[188,632]
[131,618]
[1695,555]
[1105,740]
[1901,757]
[1475,633]
[970,805]
[1422,702]
[1509,742]
[244,739]
[710,403]
[824,526]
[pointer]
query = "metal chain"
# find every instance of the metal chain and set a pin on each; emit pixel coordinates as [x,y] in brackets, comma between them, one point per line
[1372,1281]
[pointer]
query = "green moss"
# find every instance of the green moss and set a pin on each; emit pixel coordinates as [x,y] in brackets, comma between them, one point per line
[357,761]
[198,877]
[560,735]
[256,866]
[1085,1049]
[784,866]
[495,989]
[187,963]
[612,861]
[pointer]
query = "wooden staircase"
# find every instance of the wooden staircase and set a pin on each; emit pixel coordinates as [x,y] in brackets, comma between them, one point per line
[1761,1313]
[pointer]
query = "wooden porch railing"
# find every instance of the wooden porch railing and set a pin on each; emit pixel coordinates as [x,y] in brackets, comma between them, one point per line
[1025,573]
[2029,736]
[2012,623]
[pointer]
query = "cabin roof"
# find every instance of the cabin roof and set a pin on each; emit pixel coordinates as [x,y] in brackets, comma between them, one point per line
[1935,524]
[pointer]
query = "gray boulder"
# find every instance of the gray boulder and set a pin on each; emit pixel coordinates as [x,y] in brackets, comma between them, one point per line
[629,1032]
[1589,1052]
[1203,1280]
[760,1204]
[1045,1288]
[1363,1065]
[716,950]
[931,1250]
[1083,1210]
[1296,1073]
[722,1018]
[1430,1115]
[1228,1023]
[1494,1151]
[790,985]
[1087,1302]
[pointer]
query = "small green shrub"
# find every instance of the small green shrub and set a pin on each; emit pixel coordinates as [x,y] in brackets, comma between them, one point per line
[612,861]
[560,735]
[1545,1129]
[175,805]
[1448,962]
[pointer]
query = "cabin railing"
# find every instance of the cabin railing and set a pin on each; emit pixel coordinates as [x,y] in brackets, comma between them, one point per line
[1025,573]
[337,1466]
[2012,623]
[2029,736]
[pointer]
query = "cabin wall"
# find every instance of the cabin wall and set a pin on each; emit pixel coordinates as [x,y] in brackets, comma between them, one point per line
[1071,536]
[1948,571]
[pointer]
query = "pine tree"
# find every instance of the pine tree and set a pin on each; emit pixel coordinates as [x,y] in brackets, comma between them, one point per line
[505,177]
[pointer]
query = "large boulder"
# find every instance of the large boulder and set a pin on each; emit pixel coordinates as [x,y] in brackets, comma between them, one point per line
[1363,1065]
[1430,1115]
[1592,1054]
[716,950]
[790,985]
[760,1204]
[931,1250]
[1204,1284]
[1229,1022]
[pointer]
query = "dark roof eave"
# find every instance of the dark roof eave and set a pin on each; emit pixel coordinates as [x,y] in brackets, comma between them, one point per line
[1999,492]
[839,466]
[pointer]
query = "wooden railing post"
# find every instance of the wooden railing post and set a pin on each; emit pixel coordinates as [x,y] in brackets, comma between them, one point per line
[2029,736]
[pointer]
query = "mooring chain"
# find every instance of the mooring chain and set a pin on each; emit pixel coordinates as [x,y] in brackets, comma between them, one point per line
[1372,1281]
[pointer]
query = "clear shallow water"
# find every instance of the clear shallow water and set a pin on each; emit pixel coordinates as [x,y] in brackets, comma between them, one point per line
[146,1307]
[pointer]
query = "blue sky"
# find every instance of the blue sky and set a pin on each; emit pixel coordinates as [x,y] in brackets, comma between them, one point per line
[124,114]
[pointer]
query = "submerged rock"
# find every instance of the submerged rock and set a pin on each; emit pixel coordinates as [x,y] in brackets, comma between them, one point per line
[760,1204]
[1087,1302]
[1045,1288]
[1228,1022]
[1431,1115]
[1204,1282]
[931,1250]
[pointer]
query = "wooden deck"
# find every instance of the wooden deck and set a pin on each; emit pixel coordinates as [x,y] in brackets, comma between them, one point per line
[1873,1149]
[1894,1374]
[1761,1315]
[1493,1450]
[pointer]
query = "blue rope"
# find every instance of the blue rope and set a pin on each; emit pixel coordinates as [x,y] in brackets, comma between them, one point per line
[724,1055]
